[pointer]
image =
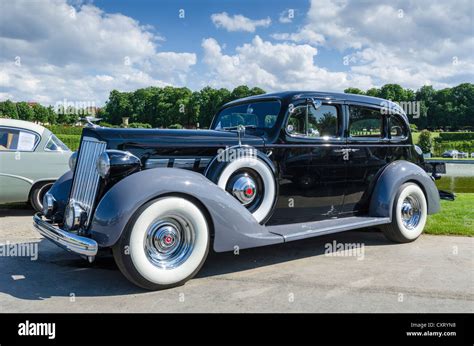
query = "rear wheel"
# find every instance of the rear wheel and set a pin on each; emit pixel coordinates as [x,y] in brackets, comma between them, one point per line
[164,245]
[37,194]
[409,214]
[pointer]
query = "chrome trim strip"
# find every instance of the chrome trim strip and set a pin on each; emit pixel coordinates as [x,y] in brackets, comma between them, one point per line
[186,163]
[80,245]
[154,163]
[204,162]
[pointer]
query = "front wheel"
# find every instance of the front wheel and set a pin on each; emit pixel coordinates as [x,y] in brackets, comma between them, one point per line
[409,214]
[164,245]
[37,194]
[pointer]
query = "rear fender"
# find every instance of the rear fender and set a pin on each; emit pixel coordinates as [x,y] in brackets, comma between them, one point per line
[393,176]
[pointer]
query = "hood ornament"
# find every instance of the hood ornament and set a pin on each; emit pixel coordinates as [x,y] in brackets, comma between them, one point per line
[90,121]
[240,133]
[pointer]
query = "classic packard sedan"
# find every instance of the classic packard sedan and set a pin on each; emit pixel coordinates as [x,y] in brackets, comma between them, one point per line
[272,168]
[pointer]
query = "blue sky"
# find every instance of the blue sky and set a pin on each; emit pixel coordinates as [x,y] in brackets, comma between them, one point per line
[52,50]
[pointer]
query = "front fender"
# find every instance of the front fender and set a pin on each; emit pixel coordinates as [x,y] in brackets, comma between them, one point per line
[60,191]
[393,176]
[232,223]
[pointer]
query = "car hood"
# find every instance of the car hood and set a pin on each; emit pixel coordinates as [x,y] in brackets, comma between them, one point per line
[126,139]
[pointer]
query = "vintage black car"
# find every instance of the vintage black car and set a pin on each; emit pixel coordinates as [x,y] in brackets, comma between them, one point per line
[272,168]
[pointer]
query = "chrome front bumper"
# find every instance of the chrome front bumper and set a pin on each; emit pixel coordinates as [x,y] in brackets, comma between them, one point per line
[69,241]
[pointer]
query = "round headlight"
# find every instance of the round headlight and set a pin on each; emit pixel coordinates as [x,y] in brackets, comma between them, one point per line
[103,164]
[49,204]
[73,160]
[74,216]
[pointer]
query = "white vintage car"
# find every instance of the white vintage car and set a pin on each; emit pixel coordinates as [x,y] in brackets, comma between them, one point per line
[31,159]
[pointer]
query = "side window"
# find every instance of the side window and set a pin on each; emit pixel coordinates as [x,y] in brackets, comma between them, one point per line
[305,121]
[397,127]
[55,144]
[14,139]
[365,122]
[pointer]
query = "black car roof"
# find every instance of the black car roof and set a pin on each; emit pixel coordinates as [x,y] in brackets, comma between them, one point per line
[290,96]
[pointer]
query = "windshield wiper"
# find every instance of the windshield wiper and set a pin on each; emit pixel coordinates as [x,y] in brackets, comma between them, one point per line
[233,128]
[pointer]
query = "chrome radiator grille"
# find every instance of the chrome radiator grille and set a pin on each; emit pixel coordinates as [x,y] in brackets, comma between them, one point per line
[86,179]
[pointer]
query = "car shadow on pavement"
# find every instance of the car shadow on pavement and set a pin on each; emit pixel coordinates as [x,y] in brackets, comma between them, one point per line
[228,262]
[21,210]
[57,273]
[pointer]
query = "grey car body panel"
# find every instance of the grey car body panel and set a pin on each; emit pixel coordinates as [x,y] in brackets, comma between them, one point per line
[233,224]
[393,176]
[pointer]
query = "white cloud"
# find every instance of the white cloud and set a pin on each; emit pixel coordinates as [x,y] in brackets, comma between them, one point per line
[282,66]
[404,41]
[238,22]
[80,53]
[287,16]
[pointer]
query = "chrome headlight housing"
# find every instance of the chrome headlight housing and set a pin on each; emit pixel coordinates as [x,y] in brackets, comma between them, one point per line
[103,165]
[113,164]
[74,216]
[73,160]
[49,204]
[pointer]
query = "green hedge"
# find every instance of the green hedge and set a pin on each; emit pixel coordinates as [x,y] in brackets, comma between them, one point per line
[440,147]
[65,130]
[72,141]
[456,136]
[139,126]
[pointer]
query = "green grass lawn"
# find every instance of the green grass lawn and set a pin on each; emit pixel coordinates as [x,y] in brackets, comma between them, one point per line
[455,218]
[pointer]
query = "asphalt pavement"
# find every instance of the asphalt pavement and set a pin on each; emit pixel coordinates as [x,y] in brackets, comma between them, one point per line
[432,274]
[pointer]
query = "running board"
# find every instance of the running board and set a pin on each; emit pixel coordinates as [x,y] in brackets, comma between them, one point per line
[313,229]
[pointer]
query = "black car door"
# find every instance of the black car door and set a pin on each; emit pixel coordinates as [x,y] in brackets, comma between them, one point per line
[310,159]
[366,154]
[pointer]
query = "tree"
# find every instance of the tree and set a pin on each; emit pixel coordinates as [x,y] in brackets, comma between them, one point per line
[25,112]
[424,141]
[9,110]
[41,114]
[118,106]
[240,92]
[392,92]
[354,91]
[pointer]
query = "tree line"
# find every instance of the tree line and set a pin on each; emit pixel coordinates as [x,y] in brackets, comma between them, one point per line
[449,108]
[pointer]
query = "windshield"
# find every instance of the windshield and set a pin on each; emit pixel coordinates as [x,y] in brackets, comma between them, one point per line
[260,115]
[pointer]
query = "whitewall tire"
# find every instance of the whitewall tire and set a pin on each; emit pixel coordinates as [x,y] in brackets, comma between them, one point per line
[409,214]
[263,179]
[165,244]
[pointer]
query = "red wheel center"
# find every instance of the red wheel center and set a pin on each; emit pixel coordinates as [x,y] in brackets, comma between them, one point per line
[249,191]
[168,240]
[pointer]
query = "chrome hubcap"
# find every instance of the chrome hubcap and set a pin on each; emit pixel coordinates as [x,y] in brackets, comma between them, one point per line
[244,189]
[411,212]
[169,242]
